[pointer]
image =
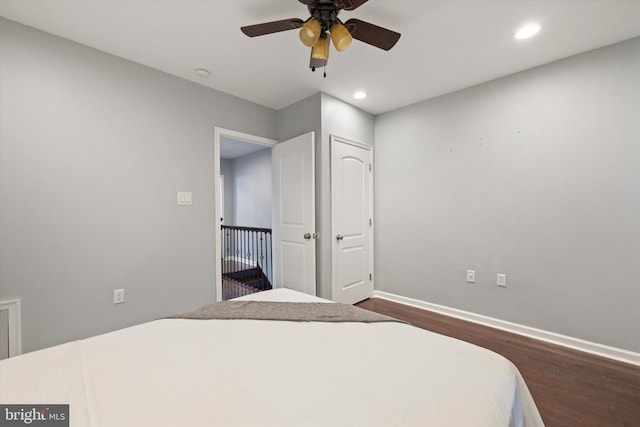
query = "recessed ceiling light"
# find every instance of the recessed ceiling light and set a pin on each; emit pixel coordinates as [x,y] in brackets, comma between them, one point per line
[202,73]
[360,95]
[527,31]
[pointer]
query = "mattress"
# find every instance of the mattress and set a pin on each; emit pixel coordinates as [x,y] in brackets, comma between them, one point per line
[179,372]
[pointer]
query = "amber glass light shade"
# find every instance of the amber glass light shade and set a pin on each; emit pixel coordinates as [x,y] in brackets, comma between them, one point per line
[310,32]
[320,50]
[341,36]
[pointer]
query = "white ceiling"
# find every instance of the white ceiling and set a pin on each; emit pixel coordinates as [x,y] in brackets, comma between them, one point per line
[232,148]
[445,45]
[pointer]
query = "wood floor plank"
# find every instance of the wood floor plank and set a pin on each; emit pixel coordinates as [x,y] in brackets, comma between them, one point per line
[571,388]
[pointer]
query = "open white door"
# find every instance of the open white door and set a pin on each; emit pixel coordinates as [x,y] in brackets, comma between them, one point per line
[294,224]
[352,221]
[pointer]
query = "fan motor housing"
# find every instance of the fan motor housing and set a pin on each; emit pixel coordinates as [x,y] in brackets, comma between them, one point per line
[326,12]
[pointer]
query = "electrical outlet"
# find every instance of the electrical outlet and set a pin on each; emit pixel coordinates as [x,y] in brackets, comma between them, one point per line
[471,276]
[118,296]
[502,280]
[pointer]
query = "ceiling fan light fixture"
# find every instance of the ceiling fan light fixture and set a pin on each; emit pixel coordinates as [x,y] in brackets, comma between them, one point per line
[310,32]
[322,24]
[340,36]
[320,50]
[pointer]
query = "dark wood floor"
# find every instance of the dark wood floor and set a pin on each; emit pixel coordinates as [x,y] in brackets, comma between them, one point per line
[571,388]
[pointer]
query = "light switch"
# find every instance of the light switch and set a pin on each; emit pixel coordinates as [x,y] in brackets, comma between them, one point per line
[184,198]
[502,280]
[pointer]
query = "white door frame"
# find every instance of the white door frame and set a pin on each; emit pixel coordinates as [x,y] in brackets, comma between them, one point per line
[338,139]
[239,136]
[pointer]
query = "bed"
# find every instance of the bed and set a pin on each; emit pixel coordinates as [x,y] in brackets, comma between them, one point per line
[192,373]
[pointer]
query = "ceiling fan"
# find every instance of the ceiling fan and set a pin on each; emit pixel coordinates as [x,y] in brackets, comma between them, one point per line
[324,24]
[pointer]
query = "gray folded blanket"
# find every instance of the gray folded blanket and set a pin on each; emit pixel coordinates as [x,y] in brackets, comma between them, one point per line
[290,311]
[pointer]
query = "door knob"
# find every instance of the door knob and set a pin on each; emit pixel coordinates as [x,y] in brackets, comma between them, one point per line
[307,236]
[339,237]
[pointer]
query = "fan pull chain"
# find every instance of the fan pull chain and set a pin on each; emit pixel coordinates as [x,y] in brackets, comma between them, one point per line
[324,71]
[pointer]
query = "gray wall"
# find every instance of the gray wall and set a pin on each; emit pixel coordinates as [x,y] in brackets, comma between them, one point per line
[93,149]
[536,175]
[252,190]
[299,118]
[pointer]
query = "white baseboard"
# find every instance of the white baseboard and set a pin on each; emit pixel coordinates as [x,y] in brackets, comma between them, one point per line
[614,353]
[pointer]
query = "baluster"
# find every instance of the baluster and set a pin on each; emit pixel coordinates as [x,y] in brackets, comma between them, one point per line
[243,249]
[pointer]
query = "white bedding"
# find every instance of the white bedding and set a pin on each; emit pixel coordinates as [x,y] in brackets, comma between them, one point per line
[192,373]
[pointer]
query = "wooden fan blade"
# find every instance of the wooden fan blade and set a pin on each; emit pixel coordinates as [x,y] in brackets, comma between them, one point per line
[372,34]
[308,2]
[350,4]
[272,27]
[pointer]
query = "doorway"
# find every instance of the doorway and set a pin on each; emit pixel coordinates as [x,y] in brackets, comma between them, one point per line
[293,220]
[232,144]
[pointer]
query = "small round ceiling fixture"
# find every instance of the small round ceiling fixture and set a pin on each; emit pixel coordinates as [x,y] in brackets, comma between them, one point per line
[360,95]
[527,31]
[202,73]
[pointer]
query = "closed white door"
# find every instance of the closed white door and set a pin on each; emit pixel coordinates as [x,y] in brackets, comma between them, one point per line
[352,221]
[293,163]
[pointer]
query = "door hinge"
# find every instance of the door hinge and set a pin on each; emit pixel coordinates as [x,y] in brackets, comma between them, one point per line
[370,276]
[370,222]
[370,167]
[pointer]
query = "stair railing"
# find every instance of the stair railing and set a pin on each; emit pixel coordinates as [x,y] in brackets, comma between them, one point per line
[247,249]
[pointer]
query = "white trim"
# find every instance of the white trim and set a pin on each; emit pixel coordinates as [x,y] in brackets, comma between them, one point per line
[601,350]
[15,325]
[218,133]
[244,137]
[351,142]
